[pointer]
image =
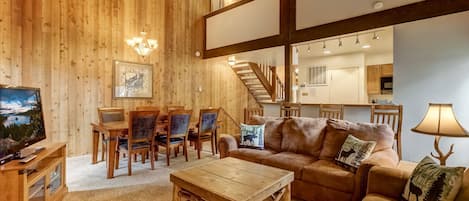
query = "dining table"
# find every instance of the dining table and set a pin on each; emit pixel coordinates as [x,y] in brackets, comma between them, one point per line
[113,130]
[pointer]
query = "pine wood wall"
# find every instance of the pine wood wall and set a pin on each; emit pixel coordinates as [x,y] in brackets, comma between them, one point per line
[66,47]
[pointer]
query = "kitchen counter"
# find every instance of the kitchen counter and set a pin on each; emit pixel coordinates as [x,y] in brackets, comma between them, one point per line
[317,104]
[360,112]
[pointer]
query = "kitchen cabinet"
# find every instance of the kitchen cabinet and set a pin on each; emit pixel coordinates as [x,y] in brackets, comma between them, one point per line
[373,79]
[374,73]
[386,70]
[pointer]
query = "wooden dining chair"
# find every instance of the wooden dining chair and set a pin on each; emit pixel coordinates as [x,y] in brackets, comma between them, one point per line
[147,108]
[140,140]
[206,129]
[106,115]
[249,112]
[170,108]
[331,111]
[290,109]
[178,129]
[391,115]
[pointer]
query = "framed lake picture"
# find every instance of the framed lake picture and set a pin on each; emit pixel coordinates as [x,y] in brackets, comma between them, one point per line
[132,80]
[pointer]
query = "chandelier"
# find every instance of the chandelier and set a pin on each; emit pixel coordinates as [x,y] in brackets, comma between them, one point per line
[142,45]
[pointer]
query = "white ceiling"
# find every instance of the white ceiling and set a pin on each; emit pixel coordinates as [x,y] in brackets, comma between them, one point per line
[383,45]
[311,13]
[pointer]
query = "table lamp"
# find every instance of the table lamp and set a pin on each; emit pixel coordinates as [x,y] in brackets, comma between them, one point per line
[441,121]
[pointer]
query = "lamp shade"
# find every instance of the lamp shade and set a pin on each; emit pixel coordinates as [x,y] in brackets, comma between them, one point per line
[441,121]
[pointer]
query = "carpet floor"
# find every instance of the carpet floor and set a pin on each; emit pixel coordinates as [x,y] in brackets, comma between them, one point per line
[88,182]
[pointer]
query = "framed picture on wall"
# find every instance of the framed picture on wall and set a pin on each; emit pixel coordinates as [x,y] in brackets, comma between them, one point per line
[132,80]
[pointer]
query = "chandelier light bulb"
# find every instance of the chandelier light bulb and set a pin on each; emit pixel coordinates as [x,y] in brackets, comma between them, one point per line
[142,45]
[324,45]
[340,42]
[309,48]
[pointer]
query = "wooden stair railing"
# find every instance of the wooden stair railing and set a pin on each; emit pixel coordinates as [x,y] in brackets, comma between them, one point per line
[263,76]
[230,118]
[261,80]
[270,80]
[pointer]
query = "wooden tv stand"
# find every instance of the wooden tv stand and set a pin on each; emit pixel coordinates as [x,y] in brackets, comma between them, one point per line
[42,179]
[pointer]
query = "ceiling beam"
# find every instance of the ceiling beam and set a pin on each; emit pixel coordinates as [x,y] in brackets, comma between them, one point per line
[408,13]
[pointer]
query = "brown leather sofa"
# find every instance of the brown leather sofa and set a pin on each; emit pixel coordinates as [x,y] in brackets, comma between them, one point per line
[387,184]
[307,146]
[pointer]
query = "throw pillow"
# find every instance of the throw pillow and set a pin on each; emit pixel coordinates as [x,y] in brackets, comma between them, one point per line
[252,136]
[353,152]
[430,181]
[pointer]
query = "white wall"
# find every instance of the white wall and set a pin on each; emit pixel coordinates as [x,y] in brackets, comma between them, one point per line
[431,64]
[250,21]
[334,62]
[379,58]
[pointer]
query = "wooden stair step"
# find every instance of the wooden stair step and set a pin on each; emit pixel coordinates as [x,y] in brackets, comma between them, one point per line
[263,98]
[260,93]
[253,83]
[241,72]
[239,67]
[248,77]
[254,90]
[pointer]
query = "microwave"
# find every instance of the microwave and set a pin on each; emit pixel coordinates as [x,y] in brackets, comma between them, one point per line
[386,85]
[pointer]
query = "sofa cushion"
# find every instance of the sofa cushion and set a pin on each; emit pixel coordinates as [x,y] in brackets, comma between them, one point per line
[431,181]
[252,136]
[303,135]
[252,155]
[353,152]
[272,131]
[289,161]
[338,130]
[377,197]
[328,174]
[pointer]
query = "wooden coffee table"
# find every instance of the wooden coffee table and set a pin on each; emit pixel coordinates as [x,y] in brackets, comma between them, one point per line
[232,179]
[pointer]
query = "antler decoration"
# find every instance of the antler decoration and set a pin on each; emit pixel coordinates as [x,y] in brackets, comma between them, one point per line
[441,156]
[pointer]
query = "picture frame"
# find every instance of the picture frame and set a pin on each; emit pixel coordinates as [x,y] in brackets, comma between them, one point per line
[132,80]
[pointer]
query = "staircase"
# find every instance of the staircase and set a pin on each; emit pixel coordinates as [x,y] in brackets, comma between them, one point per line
[262,81]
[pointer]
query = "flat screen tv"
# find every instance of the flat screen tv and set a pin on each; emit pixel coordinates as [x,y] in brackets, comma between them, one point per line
[21,119]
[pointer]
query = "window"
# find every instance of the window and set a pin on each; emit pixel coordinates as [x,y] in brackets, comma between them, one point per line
[318,75]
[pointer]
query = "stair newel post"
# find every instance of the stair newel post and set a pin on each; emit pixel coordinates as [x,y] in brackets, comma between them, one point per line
[274,83]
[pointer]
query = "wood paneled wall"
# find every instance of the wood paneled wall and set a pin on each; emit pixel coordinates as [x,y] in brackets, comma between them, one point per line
[66,47]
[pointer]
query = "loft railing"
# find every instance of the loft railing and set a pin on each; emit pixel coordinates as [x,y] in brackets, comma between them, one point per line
[220,4]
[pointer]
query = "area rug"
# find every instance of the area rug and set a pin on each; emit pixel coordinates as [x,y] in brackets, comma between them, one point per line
[145,192]
[87,182]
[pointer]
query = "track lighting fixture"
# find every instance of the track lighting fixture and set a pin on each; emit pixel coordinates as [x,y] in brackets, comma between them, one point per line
[363,44]
[357,40]
[375,36]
